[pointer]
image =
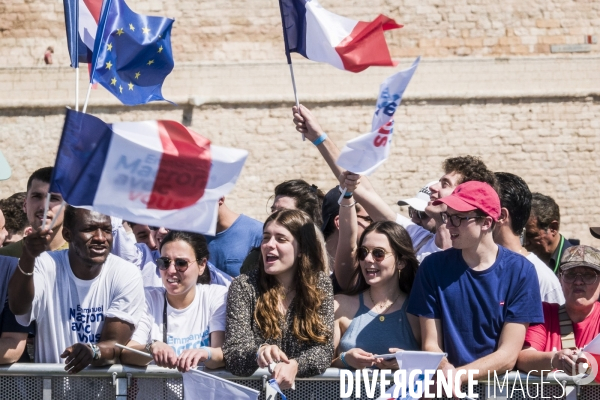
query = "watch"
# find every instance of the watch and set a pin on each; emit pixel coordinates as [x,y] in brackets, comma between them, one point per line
[149,345]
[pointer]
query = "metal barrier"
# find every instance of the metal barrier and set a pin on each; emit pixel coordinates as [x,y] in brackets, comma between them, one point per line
[50,381]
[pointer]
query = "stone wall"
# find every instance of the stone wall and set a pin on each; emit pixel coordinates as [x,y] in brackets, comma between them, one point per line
[250,30]
[553,144]
[487,86]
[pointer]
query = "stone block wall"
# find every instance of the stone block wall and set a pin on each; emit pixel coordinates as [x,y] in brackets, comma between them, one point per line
[250,30]
[553,145]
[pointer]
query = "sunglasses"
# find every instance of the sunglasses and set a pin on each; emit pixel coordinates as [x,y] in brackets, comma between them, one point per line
[417,214]
[378,253]
[163,263]
[589,278]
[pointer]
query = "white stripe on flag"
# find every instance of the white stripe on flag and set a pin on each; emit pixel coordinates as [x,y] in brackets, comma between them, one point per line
[131,166]
[200,385]
[324,31]
[87,26]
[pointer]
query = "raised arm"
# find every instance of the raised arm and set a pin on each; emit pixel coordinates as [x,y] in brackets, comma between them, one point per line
[375,206]
[344,265]
[21,290]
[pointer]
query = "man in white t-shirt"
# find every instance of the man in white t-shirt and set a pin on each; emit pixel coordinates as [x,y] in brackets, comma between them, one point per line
[83,299]
[515,200]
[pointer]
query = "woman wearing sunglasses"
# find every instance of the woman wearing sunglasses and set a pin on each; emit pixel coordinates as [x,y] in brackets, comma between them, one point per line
[184,324]
[371,318]
[280,316]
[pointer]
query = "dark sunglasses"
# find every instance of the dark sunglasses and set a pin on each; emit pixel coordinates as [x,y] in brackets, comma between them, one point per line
[180,264]
[417,214]
[378,253]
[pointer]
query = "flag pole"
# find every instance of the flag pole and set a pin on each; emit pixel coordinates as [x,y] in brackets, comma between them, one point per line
[62,205]
[46,207]
[77,89]
[295,93]
[87,98]
[289,59]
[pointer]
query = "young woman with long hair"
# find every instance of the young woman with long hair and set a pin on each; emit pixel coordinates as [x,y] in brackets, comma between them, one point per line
[371,318]
[283,311]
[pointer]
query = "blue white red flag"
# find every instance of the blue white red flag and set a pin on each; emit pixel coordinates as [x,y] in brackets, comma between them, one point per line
[81,22]
[323,36]
[364,154]
[202,386]
[132,53]
[154,172]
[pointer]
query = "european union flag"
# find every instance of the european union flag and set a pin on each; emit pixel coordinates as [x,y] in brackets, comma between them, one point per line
[132,53]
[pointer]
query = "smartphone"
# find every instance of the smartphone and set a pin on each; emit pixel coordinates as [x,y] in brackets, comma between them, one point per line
[386,357]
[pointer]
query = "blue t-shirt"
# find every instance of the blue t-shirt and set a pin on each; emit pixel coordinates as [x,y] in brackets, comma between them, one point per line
[228,249]
[474,305]
[8,265]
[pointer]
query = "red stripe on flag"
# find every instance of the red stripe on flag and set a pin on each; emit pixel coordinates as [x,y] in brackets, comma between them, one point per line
[366,46]
[183,170]
[95,6]
[597,357]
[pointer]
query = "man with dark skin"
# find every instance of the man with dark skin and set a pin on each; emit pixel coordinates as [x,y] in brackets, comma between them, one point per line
[37,292]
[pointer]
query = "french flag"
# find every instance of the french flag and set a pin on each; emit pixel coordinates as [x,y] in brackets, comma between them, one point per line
[81,22]
[323,36]
[593,349]
[154,172]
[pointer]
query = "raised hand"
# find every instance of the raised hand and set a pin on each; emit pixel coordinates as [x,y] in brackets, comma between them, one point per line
[306,123]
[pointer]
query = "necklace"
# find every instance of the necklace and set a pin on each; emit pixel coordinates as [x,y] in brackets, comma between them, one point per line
[381,317]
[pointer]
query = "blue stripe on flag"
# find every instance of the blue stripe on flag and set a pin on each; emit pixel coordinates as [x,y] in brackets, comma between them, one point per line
[293,13]
[81,156]
[71,21]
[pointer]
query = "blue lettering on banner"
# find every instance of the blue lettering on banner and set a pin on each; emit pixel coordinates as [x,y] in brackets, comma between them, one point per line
[137,174]
[386,103]
[81,320]
[192,341]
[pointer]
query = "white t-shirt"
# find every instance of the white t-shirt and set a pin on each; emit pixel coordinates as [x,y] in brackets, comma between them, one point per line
[70,310]
[423,240]
[188,328]
[550,288]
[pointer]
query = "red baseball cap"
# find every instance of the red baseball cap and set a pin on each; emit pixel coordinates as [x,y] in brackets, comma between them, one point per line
[473,195]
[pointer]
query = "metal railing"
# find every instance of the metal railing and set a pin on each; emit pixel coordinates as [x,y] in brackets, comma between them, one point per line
[51,381]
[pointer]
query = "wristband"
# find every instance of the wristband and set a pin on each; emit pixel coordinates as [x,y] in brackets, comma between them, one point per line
[258,351]
[95,351]
[207,349]
[348,195]
[343,358]
[23,272]
[320,139]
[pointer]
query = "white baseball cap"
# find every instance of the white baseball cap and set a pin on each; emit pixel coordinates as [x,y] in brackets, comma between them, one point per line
[419,202]
[5,171]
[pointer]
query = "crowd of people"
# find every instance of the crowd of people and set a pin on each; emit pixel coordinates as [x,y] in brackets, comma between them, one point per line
[479,270]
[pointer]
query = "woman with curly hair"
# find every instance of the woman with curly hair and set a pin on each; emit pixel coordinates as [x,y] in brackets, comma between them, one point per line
[281,315]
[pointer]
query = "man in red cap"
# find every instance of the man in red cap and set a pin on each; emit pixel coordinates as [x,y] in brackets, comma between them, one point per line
[483,295]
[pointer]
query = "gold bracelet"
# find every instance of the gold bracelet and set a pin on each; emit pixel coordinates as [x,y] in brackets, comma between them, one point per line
[23,272]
